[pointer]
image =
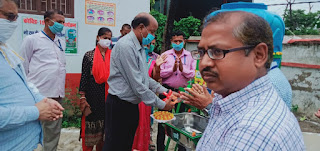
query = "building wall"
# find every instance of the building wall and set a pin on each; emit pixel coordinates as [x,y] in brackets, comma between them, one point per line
[305,81]
[125,12]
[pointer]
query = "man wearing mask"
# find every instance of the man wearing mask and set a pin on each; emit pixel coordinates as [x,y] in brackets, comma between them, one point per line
[151,53]
[180,66]
[129,84]
[21,105]
[176,72]
[45,67]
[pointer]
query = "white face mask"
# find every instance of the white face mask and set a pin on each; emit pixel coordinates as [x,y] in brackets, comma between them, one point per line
[104,43]
[7,28]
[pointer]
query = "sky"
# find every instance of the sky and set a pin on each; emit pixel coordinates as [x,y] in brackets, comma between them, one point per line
[279,9]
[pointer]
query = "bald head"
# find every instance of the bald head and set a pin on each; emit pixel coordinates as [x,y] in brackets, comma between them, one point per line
[145,19]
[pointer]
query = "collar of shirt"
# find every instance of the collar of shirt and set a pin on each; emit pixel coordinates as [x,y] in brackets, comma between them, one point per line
[56,40]
[152,54]
[44,36]
[135,40]
[239,100]
[273,65]
[172,52]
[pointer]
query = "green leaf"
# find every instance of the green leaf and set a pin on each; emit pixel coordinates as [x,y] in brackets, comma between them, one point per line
[303,118]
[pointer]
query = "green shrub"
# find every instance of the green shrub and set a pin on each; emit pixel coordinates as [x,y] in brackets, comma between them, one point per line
[190,26]
[302,23]
[71,113]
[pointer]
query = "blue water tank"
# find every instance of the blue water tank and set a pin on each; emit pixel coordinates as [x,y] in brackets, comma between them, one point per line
[260,9]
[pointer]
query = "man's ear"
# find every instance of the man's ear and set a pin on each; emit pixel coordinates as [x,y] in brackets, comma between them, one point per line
[141,26]
[47,21]
[260,55]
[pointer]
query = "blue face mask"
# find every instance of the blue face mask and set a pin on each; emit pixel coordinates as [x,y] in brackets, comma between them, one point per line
[177,47]
[56,27]
[148,39]
[7,29]
[146,49]
[151,48]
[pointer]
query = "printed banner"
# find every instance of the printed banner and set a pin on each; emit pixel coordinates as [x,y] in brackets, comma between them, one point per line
[100,13]
[32,25]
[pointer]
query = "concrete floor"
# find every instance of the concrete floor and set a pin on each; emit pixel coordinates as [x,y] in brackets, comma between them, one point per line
[311,140]
[69,140]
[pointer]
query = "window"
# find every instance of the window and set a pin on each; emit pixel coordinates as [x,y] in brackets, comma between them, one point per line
[40,6]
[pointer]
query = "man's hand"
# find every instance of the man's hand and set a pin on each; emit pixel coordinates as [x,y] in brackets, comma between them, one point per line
[170,103]
[175,66]
[317,114]
[49,110]
[200,97]
[175,94]
[55,104]
[161,59]
[180,65]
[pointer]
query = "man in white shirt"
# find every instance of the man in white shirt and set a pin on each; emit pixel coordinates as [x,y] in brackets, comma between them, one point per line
[45,67]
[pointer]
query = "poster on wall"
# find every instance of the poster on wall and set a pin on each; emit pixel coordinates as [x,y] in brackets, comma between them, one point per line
[32,25]
[100,13]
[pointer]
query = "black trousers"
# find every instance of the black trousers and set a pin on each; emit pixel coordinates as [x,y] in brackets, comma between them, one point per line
[121,122]
[161,131]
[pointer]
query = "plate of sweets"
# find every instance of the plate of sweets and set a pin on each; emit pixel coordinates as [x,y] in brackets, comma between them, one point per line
[163,116]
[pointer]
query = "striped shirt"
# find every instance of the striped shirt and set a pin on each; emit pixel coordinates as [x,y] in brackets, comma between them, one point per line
[254,118]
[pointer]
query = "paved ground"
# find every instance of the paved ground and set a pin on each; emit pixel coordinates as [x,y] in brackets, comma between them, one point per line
[311,141]
[69,138]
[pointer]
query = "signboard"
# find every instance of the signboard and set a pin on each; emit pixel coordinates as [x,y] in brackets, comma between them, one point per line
[32,25]
[100,13]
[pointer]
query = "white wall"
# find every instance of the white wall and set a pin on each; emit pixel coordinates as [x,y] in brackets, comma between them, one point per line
[279,9]
[125,12]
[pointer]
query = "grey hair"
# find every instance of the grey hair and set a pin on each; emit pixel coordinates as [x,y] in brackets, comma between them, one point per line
[250,32]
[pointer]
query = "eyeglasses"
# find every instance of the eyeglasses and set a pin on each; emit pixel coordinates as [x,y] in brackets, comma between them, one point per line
[215,53]
[10,16]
